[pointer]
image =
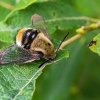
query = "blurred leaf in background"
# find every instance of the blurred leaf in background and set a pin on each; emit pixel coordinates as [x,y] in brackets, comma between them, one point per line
[75,78]
[94,45]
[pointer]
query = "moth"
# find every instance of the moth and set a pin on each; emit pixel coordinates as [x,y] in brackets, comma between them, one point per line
[30,44]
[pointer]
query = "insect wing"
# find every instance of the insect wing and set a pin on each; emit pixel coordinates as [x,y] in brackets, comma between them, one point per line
[39,23]
[15,54]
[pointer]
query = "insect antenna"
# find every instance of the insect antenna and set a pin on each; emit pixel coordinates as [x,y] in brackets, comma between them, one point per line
[62,41]
[48,60]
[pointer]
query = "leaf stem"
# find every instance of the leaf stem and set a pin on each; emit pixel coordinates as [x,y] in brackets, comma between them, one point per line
[70,40]
[7,6]
[81,31]
[91,19]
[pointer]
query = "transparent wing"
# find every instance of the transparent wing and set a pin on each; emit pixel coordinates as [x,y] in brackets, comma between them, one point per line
[39,23]
[15,54]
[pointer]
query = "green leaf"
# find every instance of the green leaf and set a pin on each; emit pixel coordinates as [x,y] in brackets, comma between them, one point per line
[22,4]
[18,82]
[52,15]
[57,79]
[94,45]
[5,33]
[6,11]
[84,5]
[55,18]
[6,6]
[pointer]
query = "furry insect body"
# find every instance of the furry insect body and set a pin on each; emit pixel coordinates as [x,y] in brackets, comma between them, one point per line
[34,40]
[30,45]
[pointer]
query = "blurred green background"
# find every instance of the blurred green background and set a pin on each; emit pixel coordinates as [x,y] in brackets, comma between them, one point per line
[75,78]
